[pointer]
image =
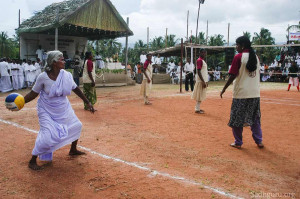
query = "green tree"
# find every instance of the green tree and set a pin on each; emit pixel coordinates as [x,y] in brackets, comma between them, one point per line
[216,40]
[247,34]
[171,40]
[106,47]
[140,45]
[264,37]
[201,38]
[214,59]
[9,46]
[157,43]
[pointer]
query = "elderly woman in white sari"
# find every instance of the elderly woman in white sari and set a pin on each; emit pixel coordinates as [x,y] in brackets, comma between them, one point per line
[59,125]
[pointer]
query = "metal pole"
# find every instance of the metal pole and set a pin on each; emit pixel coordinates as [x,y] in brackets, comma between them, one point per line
[181,65]
[228,34]
[126,48]
[187,26]
[56,29]
[197,22]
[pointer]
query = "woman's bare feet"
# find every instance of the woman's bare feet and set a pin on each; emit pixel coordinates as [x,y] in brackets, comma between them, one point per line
[76,152]
[33,165]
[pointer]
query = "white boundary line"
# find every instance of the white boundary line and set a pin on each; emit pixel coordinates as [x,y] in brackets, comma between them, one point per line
[152,172]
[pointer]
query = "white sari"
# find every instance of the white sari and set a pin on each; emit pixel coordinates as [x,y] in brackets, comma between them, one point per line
[59,125]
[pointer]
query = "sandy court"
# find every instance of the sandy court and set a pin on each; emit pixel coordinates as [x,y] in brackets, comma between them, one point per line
[160,151]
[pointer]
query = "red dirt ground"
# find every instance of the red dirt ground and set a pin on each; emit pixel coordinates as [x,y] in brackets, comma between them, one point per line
[167,137]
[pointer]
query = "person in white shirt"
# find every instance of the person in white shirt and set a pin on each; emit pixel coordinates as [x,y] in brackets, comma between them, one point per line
[44,58]
[174,76]
[39,52]
[5,81]
[157,63]
[217,75]
[262,71]
[298,61]
[143,58]
[9,68]
[171,65]
[189,74]
[21,75]
[29,73]
[99,61]
[37,68]
[14,73]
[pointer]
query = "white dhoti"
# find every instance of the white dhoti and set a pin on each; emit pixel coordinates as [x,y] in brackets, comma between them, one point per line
[146,87]
[199,93]
[59,125]
[6,85]
[15,82]
[21,81]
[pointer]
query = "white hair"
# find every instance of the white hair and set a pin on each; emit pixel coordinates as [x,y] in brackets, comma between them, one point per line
[53,56]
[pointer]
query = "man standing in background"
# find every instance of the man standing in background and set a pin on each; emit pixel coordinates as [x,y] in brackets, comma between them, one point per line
[189,75]
[39,53]
[76,67]
[157,63]
[5,83]
[99,61]
[143,58]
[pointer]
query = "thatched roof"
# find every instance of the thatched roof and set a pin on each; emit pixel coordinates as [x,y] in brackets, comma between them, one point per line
[94,19]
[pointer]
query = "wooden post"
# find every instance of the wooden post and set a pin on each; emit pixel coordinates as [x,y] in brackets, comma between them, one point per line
[126,48]
[187,26]
[207,32]
[19,34]
[147,39]
[56,29]
[166,39]
[192,54]
[228,34]
[181,65]
[288,40]
[197,22]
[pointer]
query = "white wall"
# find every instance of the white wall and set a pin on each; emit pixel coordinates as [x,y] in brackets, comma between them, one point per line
[29,44]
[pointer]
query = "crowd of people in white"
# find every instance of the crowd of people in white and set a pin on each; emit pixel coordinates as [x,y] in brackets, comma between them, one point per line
[17,74]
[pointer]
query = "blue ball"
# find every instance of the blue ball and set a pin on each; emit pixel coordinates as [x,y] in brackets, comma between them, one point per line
[14,102]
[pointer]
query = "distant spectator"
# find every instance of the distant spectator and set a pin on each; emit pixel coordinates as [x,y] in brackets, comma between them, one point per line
[143,57]
[293,80]
[147,79]
[39,52]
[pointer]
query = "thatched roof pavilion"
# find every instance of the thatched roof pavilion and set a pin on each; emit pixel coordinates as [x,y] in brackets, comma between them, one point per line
[76,22]
[93,19]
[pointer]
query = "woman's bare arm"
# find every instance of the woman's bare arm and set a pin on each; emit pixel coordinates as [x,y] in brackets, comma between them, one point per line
[30,96]
[79,93]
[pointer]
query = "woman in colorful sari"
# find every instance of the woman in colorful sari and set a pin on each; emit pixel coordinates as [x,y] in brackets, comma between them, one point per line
[88,78]
[59,125]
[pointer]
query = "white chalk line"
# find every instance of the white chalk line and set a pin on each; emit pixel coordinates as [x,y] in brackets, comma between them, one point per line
[152,172]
